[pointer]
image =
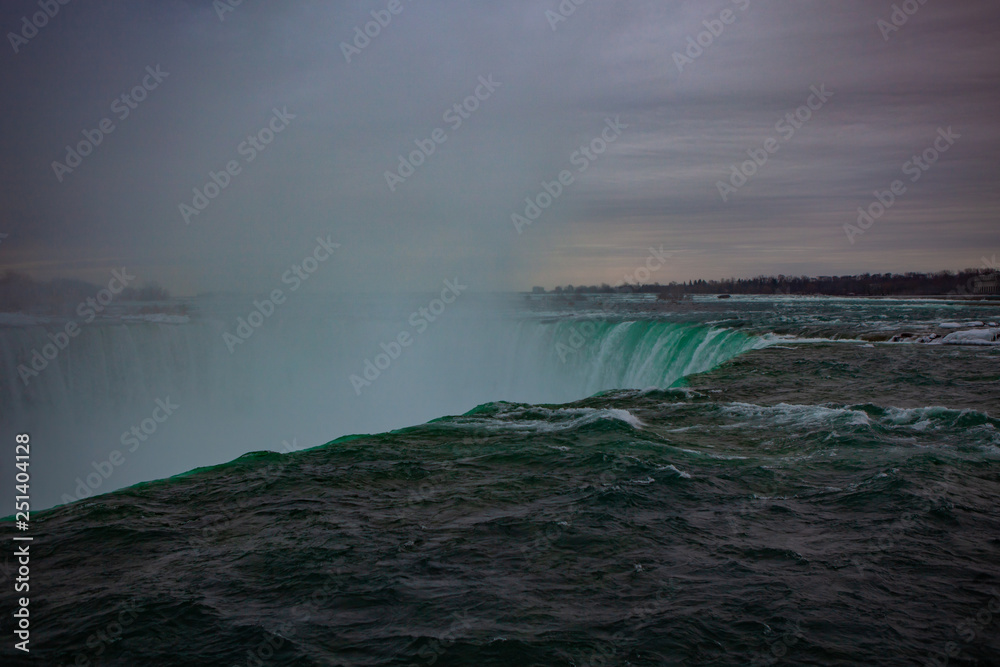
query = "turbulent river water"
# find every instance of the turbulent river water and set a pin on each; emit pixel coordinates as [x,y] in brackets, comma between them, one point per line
[619,481]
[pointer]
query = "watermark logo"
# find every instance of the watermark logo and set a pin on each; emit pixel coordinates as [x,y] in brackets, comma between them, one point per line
[714,28]
[580,334]
[899,17]
[455,116]
[249,148]
[420,320]
[122,107]
[582,158]
[915,169]
[30,27]
[565,9]
[363,38]
[133,438]
[786,127]
[223,7]
[87,310]
[295,277]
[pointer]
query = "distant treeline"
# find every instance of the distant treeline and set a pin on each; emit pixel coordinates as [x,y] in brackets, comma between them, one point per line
[967,282]
[21,293]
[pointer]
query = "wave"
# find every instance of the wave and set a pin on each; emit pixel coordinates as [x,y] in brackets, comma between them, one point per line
[510,417]
[863,415]
[802,428]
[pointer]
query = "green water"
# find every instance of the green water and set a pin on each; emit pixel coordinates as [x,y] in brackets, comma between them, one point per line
[806,503]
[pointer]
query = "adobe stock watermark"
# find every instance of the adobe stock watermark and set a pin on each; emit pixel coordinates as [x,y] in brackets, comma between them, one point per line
[976,284]
[549,534]
[578,335]
[420,320]
[295,277]
[99,641]
[30,27]
[223,7]
[87,310]
[438,646]
[786,127]
[428,487]
[611,475]
[565,9]
[968,631]
[604,653]
[134,438]
[249,148]
[888,539]
[581,158]
[241,500]
[122,107]
[372,29]
[915,169]
[455,116]
[778,646]
[899,17]
[268,647]
[706,38]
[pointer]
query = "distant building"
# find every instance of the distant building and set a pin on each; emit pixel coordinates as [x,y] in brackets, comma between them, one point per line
[987,285]
[538,290]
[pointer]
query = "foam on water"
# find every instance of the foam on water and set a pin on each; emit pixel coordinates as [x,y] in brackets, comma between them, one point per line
[680,473]
[800,415]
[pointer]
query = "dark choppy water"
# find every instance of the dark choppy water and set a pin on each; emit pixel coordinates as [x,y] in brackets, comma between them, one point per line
[802,504]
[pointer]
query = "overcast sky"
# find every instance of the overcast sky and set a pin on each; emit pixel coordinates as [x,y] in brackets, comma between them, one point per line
[682,124]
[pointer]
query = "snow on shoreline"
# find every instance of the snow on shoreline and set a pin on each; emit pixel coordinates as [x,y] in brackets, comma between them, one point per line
[977,336]
[972,337]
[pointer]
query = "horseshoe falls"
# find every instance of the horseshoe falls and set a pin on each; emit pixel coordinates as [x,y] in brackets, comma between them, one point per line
[518,479]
